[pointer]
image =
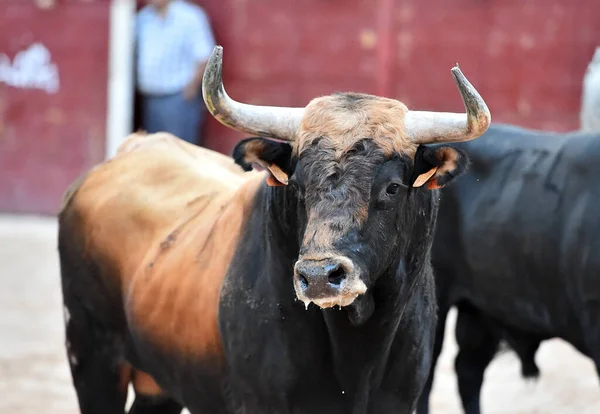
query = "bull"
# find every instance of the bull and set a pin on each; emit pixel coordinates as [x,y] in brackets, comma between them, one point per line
[514,251]
[304,288]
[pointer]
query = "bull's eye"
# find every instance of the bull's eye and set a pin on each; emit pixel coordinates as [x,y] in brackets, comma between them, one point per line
[392,188]
[293,183]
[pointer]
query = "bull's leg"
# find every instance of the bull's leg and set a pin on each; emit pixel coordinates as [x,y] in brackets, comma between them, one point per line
[526,347]
[93,355]
[423,404]
[94,351]
[154,405]
[591,329]
[477,346]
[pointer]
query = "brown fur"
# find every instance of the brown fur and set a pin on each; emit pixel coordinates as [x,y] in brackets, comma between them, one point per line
[162,220]
[168,142]
[144,384]
[447,158]
[344,119]
[252,151]
[181,278]
[71,190]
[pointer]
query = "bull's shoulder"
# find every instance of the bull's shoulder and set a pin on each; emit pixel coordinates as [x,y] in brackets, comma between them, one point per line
[173,296]
[165,220]
[126,203]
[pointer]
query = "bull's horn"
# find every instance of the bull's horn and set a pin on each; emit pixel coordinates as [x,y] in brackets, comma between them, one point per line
[266,121]
[429,127]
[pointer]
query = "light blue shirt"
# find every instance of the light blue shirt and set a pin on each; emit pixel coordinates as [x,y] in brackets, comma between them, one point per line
[170,47]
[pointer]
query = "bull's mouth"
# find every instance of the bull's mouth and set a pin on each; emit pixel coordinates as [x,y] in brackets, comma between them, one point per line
[345,296]
[325,303]
[358,304]
[331,302]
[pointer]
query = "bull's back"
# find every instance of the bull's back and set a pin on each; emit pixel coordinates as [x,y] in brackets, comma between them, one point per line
[520,216]
[166,142]
[128,203]
[118,214]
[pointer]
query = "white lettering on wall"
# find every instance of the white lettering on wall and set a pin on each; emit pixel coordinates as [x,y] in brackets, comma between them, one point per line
[31,68]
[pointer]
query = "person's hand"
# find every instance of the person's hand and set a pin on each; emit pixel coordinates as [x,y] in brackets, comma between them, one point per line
[190,91]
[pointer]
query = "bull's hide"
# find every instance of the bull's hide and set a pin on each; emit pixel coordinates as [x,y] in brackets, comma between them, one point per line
[590,102]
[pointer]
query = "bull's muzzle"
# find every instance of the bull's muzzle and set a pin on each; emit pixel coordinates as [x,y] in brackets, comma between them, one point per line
[327,281]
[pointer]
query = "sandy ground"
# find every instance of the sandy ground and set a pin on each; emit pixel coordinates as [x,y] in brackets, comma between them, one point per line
[34,376]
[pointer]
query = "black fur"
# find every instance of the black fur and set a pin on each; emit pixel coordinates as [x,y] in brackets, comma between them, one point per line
[370,357]
[511,251]
[272,152]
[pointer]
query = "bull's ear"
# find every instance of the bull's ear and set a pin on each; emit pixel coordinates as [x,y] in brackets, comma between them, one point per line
[273,155]
[437,166]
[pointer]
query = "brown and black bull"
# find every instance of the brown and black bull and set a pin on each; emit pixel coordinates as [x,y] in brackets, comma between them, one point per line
[194,281]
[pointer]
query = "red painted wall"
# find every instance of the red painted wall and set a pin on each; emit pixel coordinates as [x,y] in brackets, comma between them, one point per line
[527,57]
[47,139]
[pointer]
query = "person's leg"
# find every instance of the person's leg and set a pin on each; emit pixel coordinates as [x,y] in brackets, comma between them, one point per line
[153,114]
[174,114]
[190,118]
[170,114]
[199,128]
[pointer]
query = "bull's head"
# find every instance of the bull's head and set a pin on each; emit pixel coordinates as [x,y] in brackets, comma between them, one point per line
[355,163]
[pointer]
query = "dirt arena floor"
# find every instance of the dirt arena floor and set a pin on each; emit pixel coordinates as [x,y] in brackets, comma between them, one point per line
[34,376]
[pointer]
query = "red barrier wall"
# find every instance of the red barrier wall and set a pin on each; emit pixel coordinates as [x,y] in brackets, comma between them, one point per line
[52,113]
[527,58]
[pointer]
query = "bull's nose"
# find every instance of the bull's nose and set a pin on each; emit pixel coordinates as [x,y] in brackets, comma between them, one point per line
[321,273]
[326,281]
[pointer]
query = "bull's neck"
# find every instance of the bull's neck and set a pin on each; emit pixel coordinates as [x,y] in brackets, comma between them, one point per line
[272,234]
[280,213]
[269,248]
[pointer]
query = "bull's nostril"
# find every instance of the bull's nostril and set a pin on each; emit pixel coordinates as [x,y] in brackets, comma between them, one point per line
[336,277]
[303,281]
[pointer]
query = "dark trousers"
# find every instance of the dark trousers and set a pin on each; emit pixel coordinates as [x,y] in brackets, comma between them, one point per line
[175,114]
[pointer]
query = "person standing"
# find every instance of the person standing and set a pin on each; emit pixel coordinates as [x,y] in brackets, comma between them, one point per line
[174,41]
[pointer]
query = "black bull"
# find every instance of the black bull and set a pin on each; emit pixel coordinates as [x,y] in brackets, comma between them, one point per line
[516,250]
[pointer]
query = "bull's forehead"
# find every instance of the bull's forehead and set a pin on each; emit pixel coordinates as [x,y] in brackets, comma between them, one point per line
[345,118]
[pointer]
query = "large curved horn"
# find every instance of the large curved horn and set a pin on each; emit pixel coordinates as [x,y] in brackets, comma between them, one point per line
[266,121]
[429,127]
